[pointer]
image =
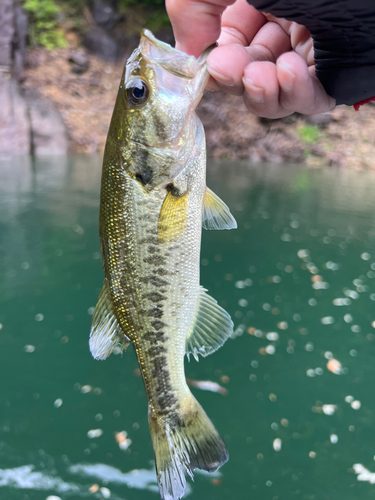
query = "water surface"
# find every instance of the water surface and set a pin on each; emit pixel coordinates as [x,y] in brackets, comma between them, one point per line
[298,279]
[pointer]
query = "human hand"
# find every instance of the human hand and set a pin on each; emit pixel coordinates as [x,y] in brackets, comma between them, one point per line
[267,60]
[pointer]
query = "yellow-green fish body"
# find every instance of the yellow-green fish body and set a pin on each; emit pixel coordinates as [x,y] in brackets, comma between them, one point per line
[153,202]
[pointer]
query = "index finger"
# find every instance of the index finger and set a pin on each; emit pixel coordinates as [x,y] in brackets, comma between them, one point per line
[196,23]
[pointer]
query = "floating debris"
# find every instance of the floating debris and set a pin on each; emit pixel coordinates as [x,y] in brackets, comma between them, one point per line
[94,433]
[320,285]
[270,349]
[312,454]
[286,237]
[29,348]
[303,254]
[283,325]
[53,497]
[332,266]
[273,336]
[86,388]
[216,481]
[329,409]
[356,405]
[327,320]
[333,438]
[94,488]
[277,443]
[58,403]
[365,256]
[122,439]
[349,399]
[351,293]
[207,385]
[364,474]
[348,318]
[39,317]
[341,301]
[334,366]
[105,492]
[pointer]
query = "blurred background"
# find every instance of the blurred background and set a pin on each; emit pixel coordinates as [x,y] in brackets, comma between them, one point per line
[292,392]
[60,65]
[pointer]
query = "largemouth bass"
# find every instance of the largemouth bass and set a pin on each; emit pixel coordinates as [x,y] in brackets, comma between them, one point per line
[154,201]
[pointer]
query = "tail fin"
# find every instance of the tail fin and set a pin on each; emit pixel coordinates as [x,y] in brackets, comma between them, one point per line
[182,444]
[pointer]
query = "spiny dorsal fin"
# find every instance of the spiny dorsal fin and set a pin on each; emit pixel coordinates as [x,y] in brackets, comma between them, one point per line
[106,332]
[211,327]
[216,215]
[172,218]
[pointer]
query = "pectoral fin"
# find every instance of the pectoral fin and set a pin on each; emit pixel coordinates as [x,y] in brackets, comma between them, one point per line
[172,218]
[106,332]
[211,327]
[216,215]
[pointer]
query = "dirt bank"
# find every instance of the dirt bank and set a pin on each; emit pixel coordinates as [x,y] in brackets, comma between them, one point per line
[341,138]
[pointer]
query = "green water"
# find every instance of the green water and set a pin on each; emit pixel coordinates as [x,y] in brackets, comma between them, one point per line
[295,226]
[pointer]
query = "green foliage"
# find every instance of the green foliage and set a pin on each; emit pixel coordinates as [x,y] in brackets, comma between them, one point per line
[308,133]
[43,25]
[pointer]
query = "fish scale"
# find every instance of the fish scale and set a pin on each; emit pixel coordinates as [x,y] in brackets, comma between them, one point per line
[154,201]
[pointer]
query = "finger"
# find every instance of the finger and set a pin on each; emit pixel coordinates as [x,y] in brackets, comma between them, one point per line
[240,23]
[196,23]
[300,37]
[227,63]
[269,43]
[261,94]
[299,90]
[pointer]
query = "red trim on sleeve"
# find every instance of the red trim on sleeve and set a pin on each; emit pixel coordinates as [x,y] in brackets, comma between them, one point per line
[359,104]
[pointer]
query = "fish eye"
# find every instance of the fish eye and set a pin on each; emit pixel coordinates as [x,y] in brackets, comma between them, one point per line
[137,91]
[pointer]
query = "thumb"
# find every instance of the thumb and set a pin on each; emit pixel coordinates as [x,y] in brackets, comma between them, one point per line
[196,23]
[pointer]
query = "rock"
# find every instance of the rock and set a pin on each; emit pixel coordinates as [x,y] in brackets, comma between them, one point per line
[49,134]
[7,31]
[15,133]
[319,119]
[19,41]
[80,62]
[98,41]
[104,13]
[13,33]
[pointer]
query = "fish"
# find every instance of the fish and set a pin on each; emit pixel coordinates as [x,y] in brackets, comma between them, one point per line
[154,202]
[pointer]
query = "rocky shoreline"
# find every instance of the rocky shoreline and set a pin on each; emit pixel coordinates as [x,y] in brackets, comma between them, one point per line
[341,138]
[61,100]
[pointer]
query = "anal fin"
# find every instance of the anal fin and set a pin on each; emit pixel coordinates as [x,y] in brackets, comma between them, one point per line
[216,215]
[211,327]
[105,332]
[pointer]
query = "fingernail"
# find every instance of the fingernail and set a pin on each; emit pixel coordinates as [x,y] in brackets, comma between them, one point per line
[255,93]
[289,77]
[221,78]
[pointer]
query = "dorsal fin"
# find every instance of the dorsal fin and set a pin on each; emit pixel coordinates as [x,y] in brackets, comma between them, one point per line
[211,327]
[106,332]
[216,215]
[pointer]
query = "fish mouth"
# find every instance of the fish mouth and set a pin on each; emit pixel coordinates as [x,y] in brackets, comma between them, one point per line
[173,60]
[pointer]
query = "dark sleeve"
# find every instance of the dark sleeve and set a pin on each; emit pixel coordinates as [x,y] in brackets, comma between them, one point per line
[344,42]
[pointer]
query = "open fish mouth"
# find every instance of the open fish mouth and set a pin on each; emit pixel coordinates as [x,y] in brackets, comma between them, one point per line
[171,59]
